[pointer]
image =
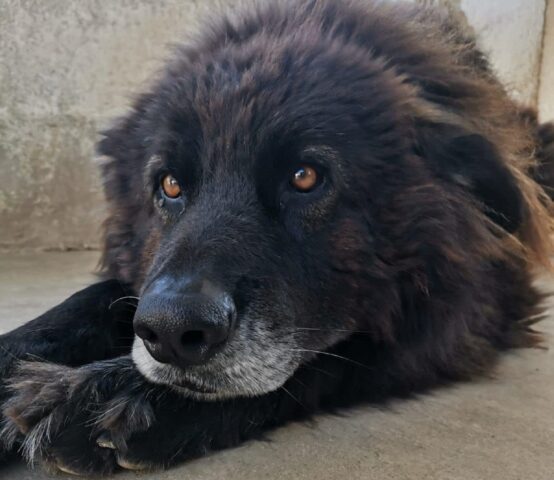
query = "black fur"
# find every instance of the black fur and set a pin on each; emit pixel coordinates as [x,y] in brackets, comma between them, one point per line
[408,266]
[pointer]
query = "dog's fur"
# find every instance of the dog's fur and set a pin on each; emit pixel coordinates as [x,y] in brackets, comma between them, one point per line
[410,266]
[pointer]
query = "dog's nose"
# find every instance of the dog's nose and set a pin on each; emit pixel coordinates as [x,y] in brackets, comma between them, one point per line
[184,329]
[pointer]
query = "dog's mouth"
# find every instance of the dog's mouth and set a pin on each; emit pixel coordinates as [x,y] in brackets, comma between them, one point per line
[253,373]
[169,375]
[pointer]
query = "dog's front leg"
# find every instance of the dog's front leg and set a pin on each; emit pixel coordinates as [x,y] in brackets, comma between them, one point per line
[91,419]
[90,325]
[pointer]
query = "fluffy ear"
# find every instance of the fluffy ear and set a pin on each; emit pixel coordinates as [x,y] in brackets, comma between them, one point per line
[121,154]
[473,163]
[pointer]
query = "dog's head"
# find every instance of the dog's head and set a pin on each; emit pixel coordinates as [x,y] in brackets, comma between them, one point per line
[299,175]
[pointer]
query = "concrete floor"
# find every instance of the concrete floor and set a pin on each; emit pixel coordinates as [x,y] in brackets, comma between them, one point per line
[496,429]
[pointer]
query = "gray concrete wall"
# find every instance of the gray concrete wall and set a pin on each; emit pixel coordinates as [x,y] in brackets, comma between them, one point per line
[511,32]
[546,93]
[67,66]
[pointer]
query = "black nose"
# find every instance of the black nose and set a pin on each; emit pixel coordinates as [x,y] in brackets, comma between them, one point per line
[184,328]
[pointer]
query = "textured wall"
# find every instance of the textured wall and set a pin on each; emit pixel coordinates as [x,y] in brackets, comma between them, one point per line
[511,32]
[546,93]
[67,66]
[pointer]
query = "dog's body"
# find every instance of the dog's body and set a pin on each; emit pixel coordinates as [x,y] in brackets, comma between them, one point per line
[317,204]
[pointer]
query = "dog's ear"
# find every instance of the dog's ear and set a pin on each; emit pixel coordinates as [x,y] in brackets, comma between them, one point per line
[472,162]
[121,155]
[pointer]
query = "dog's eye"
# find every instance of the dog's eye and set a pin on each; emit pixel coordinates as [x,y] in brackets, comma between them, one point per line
[305,179]
[170,186]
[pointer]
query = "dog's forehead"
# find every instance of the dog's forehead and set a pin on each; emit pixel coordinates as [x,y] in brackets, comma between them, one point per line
[241,111]
[248,121]
[241,102]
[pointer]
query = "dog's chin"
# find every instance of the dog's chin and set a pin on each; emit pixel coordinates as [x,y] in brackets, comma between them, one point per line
[197,385]
[177,379]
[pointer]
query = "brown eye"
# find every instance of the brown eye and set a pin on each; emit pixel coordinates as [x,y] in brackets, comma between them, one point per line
[171,186]
[304,179]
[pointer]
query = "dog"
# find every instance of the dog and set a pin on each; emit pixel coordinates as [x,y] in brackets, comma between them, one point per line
[317,204]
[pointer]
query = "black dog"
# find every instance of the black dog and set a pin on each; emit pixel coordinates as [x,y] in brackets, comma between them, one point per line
[319,203]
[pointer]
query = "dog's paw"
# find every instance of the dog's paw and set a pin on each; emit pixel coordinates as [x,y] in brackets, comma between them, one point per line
[78,421]
[7,442]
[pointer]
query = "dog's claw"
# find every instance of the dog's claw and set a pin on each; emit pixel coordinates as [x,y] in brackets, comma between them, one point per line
[105,442]
[67,470]
[130,466]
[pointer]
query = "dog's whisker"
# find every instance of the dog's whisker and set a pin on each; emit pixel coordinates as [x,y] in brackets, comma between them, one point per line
[293,397]
[36,358]
[325,372]
[339,330]
[334,355]
[127,297]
